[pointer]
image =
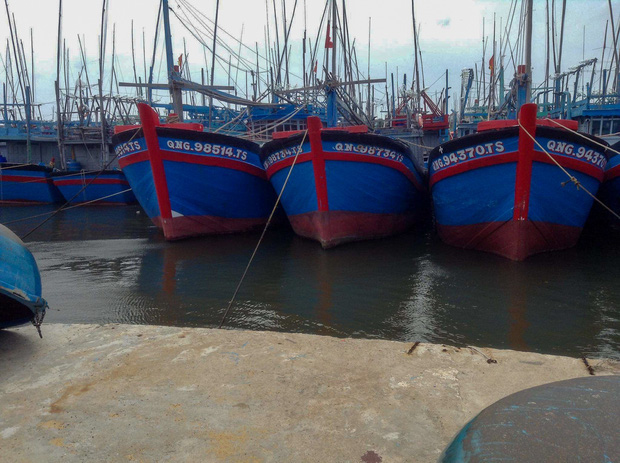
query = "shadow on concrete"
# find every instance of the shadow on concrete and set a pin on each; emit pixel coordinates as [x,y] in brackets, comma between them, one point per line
[16,346]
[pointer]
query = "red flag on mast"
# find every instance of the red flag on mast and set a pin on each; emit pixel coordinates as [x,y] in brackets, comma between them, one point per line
[328,40]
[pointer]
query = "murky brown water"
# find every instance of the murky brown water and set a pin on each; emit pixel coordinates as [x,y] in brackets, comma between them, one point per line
[101,265]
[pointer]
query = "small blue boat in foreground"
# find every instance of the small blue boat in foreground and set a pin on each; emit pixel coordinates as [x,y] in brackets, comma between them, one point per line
[20,283]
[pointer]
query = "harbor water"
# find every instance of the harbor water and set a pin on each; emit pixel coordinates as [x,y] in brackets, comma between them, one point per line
[111,265]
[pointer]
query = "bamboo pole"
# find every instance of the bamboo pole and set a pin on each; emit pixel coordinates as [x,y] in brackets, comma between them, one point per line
[217,12]
[59,121]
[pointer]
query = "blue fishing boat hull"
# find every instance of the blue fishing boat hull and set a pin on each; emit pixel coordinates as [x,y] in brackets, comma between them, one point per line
[27,184]
[345,186]
[610,189]
[488,195]
[193,183]
[109,187]
[20,282]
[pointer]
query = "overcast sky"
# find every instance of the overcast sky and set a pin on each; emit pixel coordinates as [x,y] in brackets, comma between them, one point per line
[451,34]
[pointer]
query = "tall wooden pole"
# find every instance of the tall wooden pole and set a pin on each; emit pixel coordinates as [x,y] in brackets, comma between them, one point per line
[102,45]
[133,60]
[217,12]
[175,91]
[615,47]
[59,121]
[415,47]
[528,50]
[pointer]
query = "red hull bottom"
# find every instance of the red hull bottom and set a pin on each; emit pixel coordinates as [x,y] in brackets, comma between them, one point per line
[178,228]
[331,228]
[515,240]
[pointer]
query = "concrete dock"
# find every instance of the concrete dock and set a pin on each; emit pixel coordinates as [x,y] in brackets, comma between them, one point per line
[158,394]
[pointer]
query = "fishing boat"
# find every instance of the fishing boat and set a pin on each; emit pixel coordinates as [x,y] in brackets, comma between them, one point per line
[500,191]
[192,182]
[20,283]
[341,183]
[346,184]
[519,185]
[105,187]
[27,184]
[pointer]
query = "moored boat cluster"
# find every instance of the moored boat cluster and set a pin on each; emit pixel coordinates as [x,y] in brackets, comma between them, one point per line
[499,190]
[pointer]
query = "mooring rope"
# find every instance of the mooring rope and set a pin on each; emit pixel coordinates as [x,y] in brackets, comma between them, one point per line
[572,179]
[232,121]
[264,230]
[18,166]
[65,205]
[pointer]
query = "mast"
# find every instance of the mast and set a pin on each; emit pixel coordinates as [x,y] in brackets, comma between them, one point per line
[305,80]
[615,46]
[175,91]
[368,103]
[32,85]
[547,60]
[528,51]
[332,107]
[217,12]
[415,47]
[149,81]
[133,59]
[334,19]
[59,124]
[101,67]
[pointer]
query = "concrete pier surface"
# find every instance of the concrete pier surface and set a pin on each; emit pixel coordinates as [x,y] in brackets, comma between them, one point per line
[156,394]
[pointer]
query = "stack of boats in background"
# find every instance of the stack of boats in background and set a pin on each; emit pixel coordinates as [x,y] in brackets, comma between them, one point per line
[40,184]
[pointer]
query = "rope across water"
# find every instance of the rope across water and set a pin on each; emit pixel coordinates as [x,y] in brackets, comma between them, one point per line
[572,179]
[66,205]
[232,300]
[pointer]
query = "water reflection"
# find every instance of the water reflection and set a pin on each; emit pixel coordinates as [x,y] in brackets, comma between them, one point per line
[79,223]
[103,265]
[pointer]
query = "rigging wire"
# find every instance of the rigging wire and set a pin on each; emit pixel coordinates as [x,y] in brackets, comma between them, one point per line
[86,203]
[572,179]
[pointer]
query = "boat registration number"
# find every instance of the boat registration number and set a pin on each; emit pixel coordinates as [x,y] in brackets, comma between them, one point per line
[129,147]
[576,151]
[207,148]
[466,154]
[370,150]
